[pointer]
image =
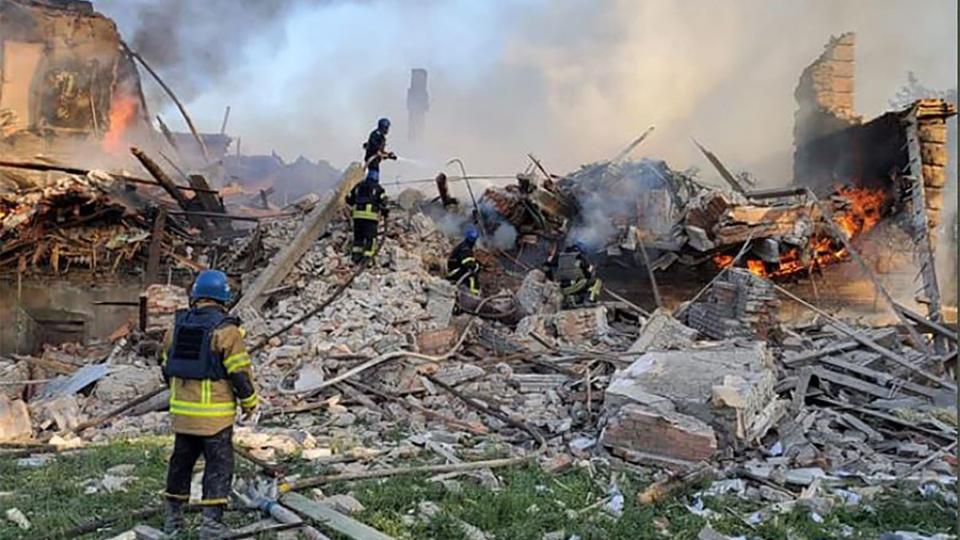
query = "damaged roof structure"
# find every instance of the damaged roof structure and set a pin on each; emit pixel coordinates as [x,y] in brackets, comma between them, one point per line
[716,384]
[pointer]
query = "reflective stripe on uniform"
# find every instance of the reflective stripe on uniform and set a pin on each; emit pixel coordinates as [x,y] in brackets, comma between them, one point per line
[575,287]
[236,361]
[595,290]
[250,401]
[213,502]
[366,212]
[206,408]
[187,408]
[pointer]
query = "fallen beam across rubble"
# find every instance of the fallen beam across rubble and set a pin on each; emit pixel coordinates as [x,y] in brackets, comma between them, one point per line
[313,227]
[45,167]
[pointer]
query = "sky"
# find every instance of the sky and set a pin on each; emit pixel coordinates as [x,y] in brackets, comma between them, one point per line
[571,81]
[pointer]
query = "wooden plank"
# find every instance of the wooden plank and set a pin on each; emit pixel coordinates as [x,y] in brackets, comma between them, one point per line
[880,378]
[154,251]
[853,382]
[313,226]
[331,519]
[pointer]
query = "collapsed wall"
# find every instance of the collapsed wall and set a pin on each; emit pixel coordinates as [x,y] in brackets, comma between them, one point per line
[65,78]
[834,146]
[825,100]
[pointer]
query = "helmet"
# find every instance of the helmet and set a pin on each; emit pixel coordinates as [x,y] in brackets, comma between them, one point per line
[471,234]
[580,246]
[211,284]
[383,124]
[373,175]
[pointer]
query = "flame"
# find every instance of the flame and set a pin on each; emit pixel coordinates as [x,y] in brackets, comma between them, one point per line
[123,108]
[862,214]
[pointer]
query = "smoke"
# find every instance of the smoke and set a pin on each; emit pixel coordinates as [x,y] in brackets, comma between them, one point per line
[194,44]
[572,82]
[603,207]
[505,237]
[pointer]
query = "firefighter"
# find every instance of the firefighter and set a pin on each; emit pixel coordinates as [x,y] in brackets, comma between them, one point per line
[577,278]
[375,149]
[463,269]
[208,370]
[369,202]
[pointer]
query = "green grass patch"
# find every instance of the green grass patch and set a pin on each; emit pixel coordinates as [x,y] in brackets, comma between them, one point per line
[53,499]
[526,504]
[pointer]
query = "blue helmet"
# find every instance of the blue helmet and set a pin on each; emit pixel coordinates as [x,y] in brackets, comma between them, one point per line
[211,284]
[471,234]
[383,124]
[373,175]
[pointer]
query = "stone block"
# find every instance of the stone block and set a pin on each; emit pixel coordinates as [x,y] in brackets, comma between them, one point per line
[582,324]
[125,383]
[14,420]
[663,332]
[932,132]
[672,437]
[934,176]
[539,295]
[437,341]
[934,154]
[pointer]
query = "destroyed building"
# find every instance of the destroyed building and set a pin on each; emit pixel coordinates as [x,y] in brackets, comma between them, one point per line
[719,379]
[66,80]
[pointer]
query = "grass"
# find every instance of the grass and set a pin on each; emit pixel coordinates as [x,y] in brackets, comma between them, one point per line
[526,505]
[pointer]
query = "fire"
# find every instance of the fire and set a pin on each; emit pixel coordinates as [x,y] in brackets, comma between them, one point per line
[122,111]
[865,210]
[862,214]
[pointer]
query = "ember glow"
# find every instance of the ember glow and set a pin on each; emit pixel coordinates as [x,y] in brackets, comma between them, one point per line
[122,111]
[863,214]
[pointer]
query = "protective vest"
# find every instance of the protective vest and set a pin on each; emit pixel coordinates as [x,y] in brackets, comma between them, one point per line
[190,355]
[367,201]
[568,267]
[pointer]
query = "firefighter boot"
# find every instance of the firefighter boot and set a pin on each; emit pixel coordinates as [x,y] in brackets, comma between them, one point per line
[173,519]
[212,526]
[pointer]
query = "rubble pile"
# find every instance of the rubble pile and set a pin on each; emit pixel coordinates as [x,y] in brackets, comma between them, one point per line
[778,412]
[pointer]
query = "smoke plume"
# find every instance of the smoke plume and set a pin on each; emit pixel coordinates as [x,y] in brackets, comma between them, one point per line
[572,82]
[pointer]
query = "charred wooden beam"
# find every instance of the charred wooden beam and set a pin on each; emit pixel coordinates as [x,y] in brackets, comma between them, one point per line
[44,167]
[715,161]
[155,249]
[183,110]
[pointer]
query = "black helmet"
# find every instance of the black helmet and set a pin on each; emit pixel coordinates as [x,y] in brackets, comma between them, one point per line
[383,124]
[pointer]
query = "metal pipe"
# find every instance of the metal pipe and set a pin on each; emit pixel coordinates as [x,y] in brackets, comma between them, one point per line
[476,207]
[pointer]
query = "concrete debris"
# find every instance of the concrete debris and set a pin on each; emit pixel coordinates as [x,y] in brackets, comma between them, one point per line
[539,295]
[345,504]
[62,412]
[638,434]
[17,517]
[14,420]
[740,304]
[663,332]
[125,383]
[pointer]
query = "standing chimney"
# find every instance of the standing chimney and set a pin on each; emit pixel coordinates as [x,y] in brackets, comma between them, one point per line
[418,103]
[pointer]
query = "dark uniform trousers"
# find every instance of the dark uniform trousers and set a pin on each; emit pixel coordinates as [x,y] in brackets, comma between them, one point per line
[364,238]
[217,451]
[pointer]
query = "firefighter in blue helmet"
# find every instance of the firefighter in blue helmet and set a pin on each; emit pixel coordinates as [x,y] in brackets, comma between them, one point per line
[368,202]
[208,370]
[375,149]
[463,269]
[575,274]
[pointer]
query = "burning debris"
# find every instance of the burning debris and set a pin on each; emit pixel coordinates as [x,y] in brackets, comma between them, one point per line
[724,385]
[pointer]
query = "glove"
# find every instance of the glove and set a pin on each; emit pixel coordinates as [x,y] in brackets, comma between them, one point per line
[391,155]
[250,417]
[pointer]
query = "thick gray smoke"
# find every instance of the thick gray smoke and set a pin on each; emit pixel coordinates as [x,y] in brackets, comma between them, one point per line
[570,81]
[195,44]
[601,207]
